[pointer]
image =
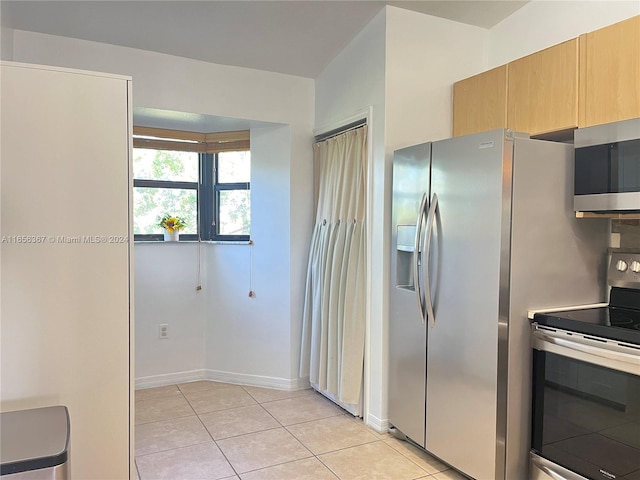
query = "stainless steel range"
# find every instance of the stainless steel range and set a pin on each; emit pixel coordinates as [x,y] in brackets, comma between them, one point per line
[586,383]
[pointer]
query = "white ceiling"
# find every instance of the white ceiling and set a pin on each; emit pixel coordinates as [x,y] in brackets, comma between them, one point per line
[194,122]
[296,37]
[292,37]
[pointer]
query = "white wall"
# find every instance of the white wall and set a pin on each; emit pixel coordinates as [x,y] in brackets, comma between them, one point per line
[354,81]
[425,56]
[403,65]
[173,83]
[6,36]
[166,276]
[249,337]
[6,43]
[542,23]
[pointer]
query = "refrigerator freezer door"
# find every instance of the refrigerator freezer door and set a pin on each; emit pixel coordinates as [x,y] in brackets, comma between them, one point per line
[407,333]
[470,176]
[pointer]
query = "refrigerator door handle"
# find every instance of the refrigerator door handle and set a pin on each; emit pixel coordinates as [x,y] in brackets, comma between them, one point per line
[417,254]
[431,218]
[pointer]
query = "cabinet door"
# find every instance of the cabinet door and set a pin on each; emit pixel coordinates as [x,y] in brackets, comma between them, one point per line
[543,90]
[610,73]
[480,102]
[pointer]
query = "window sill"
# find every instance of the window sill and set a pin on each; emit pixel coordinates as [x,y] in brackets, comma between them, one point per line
[191,242]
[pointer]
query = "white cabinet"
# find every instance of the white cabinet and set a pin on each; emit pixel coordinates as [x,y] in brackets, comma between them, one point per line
[66,258]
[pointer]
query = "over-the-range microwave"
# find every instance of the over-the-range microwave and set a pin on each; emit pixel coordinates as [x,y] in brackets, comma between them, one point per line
[607,167]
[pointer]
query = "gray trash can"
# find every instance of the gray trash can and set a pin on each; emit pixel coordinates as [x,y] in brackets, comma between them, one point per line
[35,444]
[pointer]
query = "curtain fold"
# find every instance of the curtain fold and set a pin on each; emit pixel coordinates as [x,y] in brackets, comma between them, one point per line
[333,331]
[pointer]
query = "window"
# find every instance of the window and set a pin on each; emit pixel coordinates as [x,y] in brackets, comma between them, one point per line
[232,174]
[165,181]
[202,178]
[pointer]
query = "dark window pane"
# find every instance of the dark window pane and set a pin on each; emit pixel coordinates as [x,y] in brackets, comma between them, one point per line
[150,204]
[235,212]
[165,165]
[234,167]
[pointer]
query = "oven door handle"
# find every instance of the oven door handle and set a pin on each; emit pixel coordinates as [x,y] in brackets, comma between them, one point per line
[540,463]
[551,473]
[606,355]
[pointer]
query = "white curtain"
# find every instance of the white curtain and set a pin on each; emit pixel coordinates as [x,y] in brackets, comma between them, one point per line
[334,310]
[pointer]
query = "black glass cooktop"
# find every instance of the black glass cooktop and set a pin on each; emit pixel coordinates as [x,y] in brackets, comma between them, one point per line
[619,321]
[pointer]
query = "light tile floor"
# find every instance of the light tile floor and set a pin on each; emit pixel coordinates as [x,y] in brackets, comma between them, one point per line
[211,431]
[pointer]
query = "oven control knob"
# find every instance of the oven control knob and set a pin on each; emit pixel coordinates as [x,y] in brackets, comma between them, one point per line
[622,266]
[635,266]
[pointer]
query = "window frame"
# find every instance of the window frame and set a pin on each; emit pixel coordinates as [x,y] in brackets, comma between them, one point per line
[220,187]
[207,188]
[143,183]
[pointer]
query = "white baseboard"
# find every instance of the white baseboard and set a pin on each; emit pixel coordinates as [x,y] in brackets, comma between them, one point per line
[380,426]
[257,380]
[220,376]
[170,379]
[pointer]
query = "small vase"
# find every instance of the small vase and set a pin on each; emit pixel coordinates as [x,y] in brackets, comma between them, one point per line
[171,237]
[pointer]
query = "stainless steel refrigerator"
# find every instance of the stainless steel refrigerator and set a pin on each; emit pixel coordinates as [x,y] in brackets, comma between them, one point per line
[483,229]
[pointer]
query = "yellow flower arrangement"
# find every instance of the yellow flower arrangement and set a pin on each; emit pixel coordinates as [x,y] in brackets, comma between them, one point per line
[172,224]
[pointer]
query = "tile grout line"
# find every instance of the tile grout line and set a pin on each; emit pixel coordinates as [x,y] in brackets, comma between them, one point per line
[181,393]
[165,419]
[175,394]
[162,397]
[319,420]
[286,428]
[186,446]
[313,455]
[327,467]
[135,464]
[280,399]
[446,468]
[222,409]
[250,433]
[260,404]
[172,449]
[210,436]
[176,448]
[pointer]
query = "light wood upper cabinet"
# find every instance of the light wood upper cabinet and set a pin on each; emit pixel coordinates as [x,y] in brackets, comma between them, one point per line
[542,92]
[610,73]
[480,102]
[585,81]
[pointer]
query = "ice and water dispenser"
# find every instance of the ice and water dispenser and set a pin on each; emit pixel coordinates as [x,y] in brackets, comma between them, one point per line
[406,235]
[411,174]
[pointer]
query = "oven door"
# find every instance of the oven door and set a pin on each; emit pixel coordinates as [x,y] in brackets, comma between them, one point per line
[586,407]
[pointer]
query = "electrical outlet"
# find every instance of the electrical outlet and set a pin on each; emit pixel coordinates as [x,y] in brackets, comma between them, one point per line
[163,330]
